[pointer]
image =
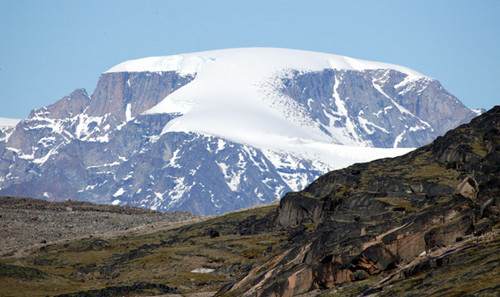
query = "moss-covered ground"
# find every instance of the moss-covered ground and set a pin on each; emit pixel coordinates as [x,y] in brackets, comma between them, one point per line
[165,258]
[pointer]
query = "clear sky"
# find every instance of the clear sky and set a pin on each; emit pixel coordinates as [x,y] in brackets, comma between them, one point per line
[49,48]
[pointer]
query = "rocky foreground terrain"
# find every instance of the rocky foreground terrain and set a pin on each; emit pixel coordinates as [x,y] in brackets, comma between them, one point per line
[25,221]
[423,224]
[371,220]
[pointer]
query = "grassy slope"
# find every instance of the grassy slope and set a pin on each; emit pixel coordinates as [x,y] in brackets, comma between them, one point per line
[164,257]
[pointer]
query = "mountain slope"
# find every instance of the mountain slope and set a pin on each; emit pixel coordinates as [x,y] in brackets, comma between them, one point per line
[370,219]
[215,131]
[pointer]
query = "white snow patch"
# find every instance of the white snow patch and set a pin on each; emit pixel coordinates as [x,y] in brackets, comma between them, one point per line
[377,114]
[398,139]
[233,179]
[416,128]
[104,165]
[365,123]
[401,108]
[120,192]
[202,270]
[47,141]
[404,82]
[128,112]
[178,191]
[154,138]
[174,158]
[8,123]
[116,202]
[44,159]
[477,111]
[221,144]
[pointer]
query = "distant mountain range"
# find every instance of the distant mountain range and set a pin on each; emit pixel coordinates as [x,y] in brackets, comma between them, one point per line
[215,131]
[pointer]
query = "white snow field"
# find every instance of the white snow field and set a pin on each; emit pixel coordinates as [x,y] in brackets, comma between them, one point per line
[232,97]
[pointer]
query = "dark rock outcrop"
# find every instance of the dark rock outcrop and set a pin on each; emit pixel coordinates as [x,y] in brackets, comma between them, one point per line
[371,218]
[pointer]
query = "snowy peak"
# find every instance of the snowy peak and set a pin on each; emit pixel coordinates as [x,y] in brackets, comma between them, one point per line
[215,131]
[251,95]
[265,60]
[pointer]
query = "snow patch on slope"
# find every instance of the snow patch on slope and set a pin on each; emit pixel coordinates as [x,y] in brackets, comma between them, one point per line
[8,123]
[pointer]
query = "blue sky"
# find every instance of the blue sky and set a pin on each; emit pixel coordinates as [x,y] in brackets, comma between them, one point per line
[49,48]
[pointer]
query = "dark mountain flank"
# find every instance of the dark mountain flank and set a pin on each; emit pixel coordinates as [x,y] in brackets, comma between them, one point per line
[375,218]
[423,224]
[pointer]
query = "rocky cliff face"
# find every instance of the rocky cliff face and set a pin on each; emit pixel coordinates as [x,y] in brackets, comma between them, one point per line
[383,108]
[369,219]
[106,148]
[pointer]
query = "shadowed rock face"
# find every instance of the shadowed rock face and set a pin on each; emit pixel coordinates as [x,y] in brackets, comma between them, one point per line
[370,218]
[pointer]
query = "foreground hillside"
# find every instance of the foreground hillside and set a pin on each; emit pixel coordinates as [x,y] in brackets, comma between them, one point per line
[368,220]
[422,224]
[25,221]
[145,263]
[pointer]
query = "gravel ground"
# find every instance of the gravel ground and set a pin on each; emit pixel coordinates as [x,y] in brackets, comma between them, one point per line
[26,222]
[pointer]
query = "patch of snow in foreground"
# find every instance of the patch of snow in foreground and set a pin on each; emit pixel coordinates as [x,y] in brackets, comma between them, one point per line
[202,270]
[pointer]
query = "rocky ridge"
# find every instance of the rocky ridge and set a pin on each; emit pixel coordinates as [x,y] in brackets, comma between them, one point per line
[369,219]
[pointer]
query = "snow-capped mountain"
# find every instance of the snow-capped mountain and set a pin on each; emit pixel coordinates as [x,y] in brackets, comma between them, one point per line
[211,132]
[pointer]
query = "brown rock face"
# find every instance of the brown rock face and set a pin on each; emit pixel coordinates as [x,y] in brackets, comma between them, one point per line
[298,208]
[69,106]
[142,90]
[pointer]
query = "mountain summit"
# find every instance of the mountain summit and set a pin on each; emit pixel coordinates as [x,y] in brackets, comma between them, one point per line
[298,94]
[214,131]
